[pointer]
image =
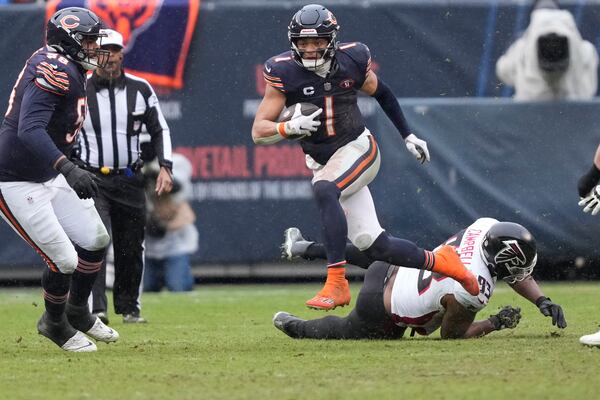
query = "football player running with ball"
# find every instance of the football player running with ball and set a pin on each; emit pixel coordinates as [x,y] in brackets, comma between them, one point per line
[46,198]
[394,298]
[340,150]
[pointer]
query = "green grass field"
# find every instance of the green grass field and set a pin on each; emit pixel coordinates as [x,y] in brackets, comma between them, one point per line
[219,343]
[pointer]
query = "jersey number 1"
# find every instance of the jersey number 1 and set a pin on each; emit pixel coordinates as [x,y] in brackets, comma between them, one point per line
[329,128]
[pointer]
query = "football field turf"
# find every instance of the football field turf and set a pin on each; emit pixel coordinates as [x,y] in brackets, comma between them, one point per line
[218,342]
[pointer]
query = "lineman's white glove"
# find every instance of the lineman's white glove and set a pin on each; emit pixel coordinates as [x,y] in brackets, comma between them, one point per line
[300,125]
[592,201]
[417,147]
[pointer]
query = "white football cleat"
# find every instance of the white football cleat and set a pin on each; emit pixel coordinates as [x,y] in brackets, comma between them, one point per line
[102,333]
[591,340]
[294,245]
[79,343]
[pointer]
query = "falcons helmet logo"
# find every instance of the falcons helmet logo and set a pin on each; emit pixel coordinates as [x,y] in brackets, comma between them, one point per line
[511,254]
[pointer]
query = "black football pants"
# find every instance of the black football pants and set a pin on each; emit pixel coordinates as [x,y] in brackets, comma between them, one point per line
[368,320]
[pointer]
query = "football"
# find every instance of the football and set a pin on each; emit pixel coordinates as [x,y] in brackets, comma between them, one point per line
[305,108]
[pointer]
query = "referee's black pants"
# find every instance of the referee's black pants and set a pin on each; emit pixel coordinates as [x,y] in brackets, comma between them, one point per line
[121,204]
[368,320]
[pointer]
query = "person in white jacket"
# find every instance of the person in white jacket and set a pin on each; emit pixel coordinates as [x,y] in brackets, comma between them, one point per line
[550,61]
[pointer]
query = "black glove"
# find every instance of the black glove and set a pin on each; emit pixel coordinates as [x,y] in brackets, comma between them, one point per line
[83,182]
[587,182]
[508,317]
[548,308]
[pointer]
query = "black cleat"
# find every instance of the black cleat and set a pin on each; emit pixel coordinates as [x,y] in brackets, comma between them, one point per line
[285,323]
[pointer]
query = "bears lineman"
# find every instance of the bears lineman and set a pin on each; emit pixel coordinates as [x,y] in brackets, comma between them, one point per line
[46,198]
[340,150]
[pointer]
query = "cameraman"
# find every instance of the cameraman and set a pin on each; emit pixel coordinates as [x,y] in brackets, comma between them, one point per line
[550,61]
[171,236]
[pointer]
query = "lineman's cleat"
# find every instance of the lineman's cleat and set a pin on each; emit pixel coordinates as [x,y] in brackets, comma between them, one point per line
[102,333]
[64,335]
[79,343]
[294,245]
[284,322]
[447,262]
[82,319]
[333,294]
[103,316]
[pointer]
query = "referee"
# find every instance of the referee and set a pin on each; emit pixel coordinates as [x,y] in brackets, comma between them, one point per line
[120,105]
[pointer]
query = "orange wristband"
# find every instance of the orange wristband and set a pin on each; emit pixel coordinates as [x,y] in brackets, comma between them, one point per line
[281,129]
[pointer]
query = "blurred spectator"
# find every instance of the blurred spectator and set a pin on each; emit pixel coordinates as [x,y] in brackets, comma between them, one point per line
[550,61]
[171,236]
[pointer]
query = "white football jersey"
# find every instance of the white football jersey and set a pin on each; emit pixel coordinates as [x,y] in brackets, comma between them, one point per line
[417,294]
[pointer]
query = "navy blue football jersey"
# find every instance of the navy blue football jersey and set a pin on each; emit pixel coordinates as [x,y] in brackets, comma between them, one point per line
[45,111]
[336,94]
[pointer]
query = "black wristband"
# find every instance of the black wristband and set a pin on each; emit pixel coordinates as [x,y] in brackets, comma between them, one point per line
[60,163]
[540,300]
[65,166]
[594,173]
[168,164]
[587,182]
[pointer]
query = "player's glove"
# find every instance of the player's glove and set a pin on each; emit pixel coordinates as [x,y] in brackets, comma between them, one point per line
[83,182]
[507,317]
[417,147]
[548,308]
[587,182]
[592,201]
[301,125]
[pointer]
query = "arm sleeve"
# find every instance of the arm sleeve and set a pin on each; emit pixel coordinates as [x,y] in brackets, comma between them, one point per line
[159,131]
[37,108]
[388,102]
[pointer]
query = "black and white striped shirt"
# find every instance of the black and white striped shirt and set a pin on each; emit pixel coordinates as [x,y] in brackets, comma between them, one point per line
[117,113]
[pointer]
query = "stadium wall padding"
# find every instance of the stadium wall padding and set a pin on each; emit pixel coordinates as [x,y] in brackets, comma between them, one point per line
[490,157]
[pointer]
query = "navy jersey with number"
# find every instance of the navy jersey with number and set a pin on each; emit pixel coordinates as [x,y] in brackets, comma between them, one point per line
[336,94]
[45,112]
